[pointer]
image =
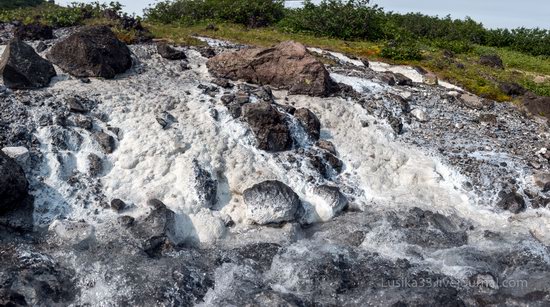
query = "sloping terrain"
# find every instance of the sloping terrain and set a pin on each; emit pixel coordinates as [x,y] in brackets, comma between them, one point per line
[445,192]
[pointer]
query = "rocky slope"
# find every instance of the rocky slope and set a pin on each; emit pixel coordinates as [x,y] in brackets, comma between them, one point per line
[167,186]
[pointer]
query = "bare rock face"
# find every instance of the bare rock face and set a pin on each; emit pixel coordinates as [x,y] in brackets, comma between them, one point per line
[269,127]
[271,202]
[22,68]
[93,51]
[13,184]
[287,65]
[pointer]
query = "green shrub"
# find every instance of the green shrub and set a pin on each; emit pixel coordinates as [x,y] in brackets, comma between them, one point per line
[252,13]
[532,41]
[59,16]
[417,25]
[454,46]
[351,19]
[13,4]
[401,50]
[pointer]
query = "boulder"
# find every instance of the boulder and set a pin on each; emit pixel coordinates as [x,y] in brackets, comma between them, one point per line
[512,202]
[330,201]
[512,89]
[93,51]
[288,65]
[13,184]
[106,141]
[269,126]
[157,228]
[402,80]
[473,101]
[491,60]
[537,105]
[118,205]
[310,122]
[170,53]
[271,202]
[22,68]
[34,32]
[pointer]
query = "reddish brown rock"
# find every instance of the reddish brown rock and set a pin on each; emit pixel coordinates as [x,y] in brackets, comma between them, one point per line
[287,65]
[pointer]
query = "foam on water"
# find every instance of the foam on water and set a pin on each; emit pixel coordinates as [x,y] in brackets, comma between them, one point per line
[152,162]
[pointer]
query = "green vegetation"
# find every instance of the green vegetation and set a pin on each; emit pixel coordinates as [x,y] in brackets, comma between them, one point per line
[59,16]
[13,4]
[450,48]
[252,13]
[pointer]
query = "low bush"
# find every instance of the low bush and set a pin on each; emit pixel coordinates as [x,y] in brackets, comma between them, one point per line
[13,4]
[59,16]
[252,13]
[351,19]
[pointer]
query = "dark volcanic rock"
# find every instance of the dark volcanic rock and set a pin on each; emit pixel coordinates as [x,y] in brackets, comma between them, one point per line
[156,229]
[170,53]
[95,165]
[432,230]
[268,125]
[512,202]
[402,80]
[205,186]
[117,205]
[75,105]
[271,202]
[92,52]
[13,184]
[288,65]
[106,141]
[33,32]
[22,68]
[491,60]
[34,279]
[537,105]
[512,89]
[310,122]
[207,52]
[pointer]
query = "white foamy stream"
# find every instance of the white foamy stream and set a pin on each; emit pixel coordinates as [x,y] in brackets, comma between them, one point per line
[151,162]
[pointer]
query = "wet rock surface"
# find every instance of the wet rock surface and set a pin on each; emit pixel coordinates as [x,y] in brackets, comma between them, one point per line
[271,202]
[269,126]
[170,53]
[385,208]
[13,184]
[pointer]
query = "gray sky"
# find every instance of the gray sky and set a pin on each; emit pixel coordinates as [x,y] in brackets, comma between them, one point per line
[493,13]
